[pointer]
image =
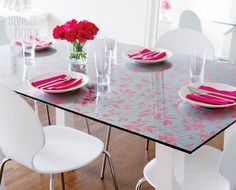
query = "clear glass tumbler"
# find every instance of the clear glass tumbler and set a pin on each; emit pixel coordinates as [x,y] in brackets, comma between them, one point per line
[28,44]
[103,68]
[197,66]
[111,45]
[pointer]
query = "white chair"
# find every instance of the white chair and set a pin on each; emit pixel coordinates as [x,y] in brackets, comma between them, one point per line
[46,150]
[190,20]
[185,42]
[208,169]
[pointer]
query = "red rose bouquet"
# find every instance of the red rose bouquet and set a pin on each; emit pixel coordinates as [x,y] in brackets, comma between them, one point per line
[77,33]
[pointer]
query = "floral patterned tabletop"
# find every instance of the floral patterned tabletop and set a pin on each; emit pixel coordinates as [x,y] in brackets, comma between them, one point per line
[141,99]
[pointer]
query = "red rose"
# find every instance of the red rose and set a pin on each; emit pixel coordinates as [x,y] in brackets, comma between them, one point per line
[59,32]
[82,36]
[70,24]
[70,36]
[73,30]
[87,26]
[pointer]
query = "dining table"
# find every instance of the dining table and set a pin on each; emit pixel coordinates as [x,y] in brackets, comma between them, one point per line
[141,99]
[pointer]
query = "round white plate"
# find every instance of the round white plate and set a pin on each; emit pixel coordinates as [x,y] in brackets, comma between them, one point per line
[51,74]
[220,86]
[135,50]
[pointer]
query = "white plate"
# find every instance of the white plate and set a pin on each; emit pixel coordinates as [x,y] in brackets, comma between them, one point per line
[184,91]
[135,50]
[51,74]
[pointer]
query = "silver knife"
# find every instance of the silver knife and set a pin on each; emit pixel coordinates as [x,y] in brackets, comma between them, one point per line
[208,91]
[144,54]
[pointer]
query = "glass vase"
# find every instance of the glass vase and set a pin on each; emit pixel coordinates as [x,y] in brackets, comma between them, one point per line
[78,65]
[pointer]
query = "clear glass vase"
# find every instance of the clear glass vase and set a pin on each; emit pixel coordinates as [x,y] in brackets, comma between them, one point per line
[79,64]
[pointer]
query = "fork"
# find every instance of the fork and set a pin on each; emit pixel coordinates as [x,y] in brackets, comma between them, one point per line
[210,95]
[144,54]
[67,78]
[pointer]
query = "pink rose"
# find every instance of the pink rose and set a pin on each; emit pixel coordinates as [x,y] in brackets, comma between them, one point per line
[165,5]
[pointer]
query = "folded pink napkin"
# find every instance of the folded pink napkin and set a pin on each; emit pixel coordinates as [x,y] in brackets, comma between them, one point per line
[38,42]
[65,84]
[61,85]
[211,100]
[47,80]
[144,51]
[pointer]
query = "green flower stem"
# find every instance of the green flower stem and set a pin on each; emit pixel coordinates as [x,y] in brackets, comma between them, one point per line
[78,53]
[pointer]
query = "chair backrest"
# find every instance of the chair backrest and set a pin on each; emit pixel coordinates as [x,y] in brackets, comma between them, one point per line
[228,161]
[185,41]
[188,19]
[21,133]
[3,36]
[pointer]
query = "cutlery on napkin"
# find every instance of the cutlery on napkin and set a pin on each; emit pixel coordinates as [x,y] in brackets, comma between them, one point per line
[139,53]
[58,82]
[211,95]
[147,54]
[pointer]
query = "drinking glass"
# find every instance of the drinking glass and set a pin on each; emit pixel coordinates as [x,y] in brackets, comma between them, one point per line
[28,46]
[103,68]
[111,45]
[197,66]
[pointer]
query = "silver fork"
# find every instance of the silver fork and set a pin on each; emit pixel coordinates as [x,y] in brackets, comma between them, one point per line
[210,95]
[144,54]
[67,78]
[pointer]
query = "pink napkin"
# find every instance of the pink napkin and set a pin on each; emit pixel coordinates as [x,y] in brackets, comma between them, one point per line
[46,80]
[144,51]
[65,85]
[146,55]
[155,56]
[61,86]
[211,100]
[38,42]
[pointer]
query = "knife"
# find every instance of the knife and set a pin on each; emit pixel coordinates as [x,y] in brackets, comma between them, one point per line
[206,92]
[144,54]
[203,91]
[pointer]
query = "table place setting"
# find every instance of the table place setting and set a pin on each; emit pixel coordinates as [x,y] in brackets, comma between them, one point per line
[39,43]
[206,94]
[59,82]
[147,56]
[209,95]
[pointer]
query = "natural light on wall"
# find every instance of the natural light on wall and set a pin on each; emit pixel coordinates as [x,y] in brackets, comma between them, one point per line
[17,5]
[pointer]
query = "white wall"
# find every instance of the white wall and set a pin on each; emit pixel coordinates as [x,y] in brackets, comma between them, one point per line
[126,19]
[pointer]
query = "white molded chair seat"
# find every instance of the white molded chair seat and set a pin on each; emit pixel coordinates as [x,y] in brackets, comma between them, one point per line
[66,149]
[202,171]
[49,150]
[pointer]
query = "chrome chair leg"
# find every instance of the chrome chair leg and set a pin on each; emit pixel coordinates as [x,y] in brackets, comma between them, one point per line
[105,148]
[147,144]
[48,114]
[87,126]
[51,181]
[62,181]
[36,109]
[4,161]
[139,184]
[107,154]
